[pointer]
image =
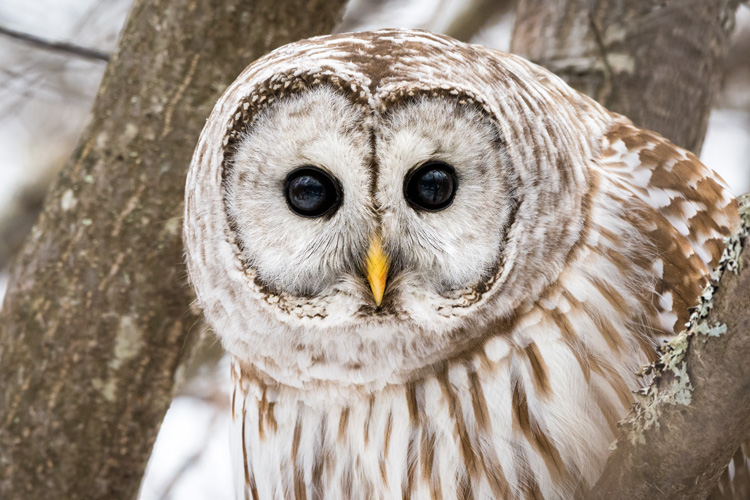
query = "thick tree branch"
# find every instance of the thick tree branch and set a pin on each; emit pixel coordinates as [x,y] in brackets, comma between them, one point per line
[19,215]
[98,313]
[680,436]
[658,63]
[735,91]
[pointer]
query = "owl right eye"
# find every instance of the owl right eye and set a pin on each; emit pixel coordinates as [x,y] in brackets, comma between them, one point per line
[311,192]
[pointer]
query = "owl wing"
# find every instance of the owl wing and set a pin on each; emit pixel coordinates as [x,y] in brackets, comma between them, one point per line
[679,191]
[685,209]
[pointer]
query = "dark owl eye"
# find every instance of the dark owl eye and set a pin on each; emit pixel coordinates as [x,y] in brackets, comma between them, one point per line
[311,192]
[431,187]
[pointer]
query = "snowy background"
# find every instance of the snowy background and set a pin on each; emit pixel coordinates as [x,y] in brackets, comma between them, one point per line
[45,98]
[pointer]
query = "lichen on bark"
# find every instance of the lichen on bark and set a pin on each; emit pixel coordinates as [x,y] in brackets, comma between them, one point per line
[692,417]
[659,64]
[653,398]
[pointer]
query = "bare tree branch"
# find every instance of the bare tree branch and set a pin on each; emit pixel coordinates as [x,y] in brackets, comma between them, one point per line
[680,436]
[98,315]
[17,217]
[63,47]
[190,461]
[658,63]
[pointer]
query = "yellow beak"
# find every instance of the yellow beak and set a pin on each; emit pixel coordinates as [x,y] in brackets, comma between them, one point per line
[376,266]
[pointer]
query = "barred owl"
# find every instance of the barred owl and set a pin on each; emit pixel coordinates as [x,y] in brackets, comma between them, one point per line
[437,268]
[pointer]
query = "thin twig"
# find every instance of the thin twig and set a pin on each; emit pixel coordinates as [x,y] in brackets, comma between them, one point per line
[62,47]
[610,80]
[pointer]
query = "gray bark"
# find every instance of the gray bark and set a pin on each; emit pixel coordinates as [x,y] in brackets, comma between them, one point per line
[658,63]
[98,312]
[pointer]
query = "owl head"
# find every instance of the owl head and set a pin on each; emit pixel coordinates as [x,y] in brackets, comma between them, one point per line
[362,206]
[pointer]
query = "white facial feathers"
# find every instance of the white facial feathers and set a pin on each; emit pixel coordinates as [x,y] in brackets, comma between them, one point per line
[293,254]
[370,156]
[460,245]
[288,294]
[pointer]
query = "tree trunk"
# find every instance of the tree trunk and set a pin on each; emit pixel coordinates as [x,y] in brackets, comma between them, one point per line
[682,433]
[658,63]
[98,312]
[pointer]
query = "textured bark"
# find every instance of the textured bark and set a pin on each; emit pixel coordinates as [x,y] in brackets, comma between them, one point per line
[680,436]
[658,63]
[98,312]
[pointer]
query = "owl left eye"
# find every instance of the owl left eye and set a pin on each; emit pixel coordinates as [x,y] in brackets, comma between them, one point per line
[311,192]
[431,187]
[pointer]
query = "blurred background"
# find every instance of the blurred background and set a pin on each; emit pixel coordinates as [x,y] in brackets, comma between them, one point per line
[52,57]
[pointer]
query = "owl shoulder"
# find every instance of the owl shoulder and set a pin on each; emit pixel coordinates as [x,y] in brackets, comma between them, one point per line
[683,208]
